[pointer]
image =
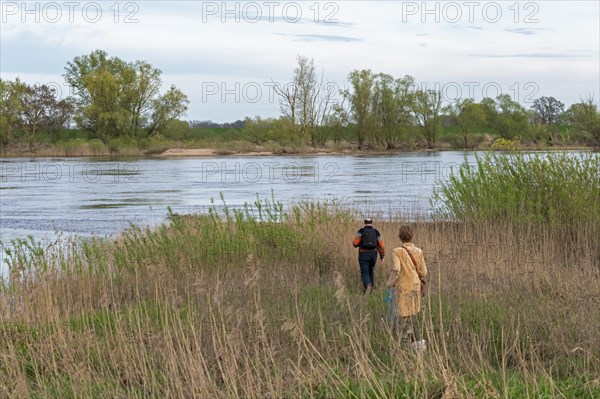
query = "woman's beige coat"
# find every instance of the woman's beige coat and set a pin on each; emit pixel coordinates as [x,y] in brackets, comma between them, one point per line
[405,281]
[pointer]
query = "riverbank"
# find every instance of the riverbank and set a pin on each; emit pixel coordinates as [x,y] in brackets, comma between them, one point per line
[210,306]
[181,152]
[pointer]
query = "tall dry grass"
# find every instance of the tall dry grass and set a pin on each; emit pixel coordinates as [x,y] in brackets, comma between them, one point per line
[262,303]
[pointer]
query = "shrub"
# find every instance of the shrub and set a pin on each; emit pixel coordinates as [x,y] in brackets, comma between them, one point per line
[556,188]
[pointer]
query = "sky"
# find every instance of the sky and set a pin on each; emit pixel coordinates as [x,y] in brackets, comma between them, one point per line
[226,56]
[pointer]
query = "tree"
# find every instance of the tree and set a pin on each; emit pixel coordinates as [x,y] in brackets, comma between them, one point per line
[99,84]
[60,115]
[506,117]
[167,108]
[392,101]
[337,121]
[548,110]
[116,98]
[468,116]
[257,130]
[586,117]
[360,100]
[146,87]
[10,109]
[427,107]
[35,102]
[41,111]
[306,101]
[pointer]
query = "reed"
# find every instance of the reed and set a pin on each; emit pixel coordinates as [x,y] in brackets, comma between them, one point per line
[266,302]
[557,188]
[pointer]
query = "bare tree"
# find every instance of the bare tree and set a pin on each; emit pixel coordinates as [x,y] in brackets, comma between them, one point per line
[306,101]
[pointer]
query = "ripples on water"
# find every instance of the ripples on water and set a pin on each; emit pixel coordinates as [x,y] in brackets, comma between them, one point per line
[90,197]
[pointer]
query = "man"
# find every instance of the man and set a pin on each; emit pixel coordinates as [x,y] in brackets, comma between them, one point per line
[369,244]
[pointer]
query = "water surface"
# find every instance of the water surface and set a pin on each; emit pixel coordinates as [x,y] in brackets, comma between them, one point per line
[91,197]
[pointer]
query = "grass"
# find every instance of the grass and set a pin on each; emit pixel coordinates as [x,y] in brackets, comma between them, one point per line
[559,189]
[264,302]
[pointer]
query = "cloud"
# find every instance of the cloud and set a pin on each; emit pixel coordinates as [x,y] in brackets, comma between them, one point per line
[467,27]
[526,31]
[330,38]
[531,55]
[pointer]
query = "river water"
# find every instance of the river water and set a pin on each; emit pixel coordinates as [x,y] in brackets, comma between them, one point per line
[96,197]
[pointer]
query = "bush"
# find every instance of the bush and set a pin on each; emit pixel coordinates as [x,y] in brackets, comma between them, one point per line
[505,144]
[556,188]
[121,144]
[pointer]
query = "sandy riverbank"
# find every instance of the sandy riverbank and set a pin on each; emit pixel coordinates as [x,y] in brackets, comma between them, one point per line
[204,152]
[211,152]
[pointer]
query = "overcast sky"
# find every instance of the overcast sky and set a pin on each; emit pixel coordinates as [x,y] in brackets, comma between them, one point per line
[224,55]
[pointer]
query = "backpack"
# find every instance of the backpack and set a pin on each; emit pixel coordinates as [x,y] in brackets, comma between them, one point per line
[369,239]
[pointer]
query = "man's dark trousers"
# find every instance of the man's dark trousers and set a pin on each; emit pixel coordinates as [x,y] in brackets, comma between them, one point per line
[367,261]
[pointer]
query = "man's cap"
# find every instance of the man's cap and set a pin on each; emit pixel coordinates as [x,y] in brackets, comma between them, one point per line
[368,221]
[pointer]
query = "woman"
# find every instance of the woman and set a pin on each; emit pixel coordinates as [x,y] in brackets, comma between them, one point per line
[408,270]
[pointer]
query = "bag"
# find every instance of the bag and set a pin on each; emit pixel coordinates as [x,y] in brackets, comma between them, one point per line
[412,258]
[369,239]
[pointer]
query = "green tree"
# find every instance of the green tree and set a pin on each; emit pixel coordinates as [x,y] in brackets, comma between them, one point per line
[337,121]
[468,116]
[166,109]
[392,107]
[427,108]
[586,117]
[116,98]
[257,130]
[42,111]
[548,110]
[145,89]
[545,114]
[506,117]
[360,100]
[10,109]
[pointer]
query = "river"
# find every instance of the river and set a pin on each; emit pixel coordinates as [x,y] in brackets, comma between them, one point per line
[100,197]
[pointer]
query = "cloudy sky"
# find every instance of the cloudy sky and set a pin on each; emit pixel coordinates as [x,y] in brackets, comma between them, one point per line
[225,55]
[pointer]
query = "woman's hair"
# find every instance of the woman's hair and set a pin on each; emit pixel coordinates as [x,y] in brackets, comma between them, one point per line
[406,233]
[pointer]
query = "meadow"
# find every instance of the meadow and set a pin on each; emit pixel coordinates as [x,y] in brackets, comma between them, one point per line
[266,302]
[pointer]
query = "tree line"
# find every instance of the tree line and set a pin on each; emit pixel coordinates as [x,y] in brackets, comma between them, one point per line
[113,98]
[381,111]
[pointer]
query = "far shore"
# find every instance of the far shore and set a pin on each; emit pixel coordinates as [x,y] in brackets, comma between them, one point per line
[204,152]
[215,152]
[212,152]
